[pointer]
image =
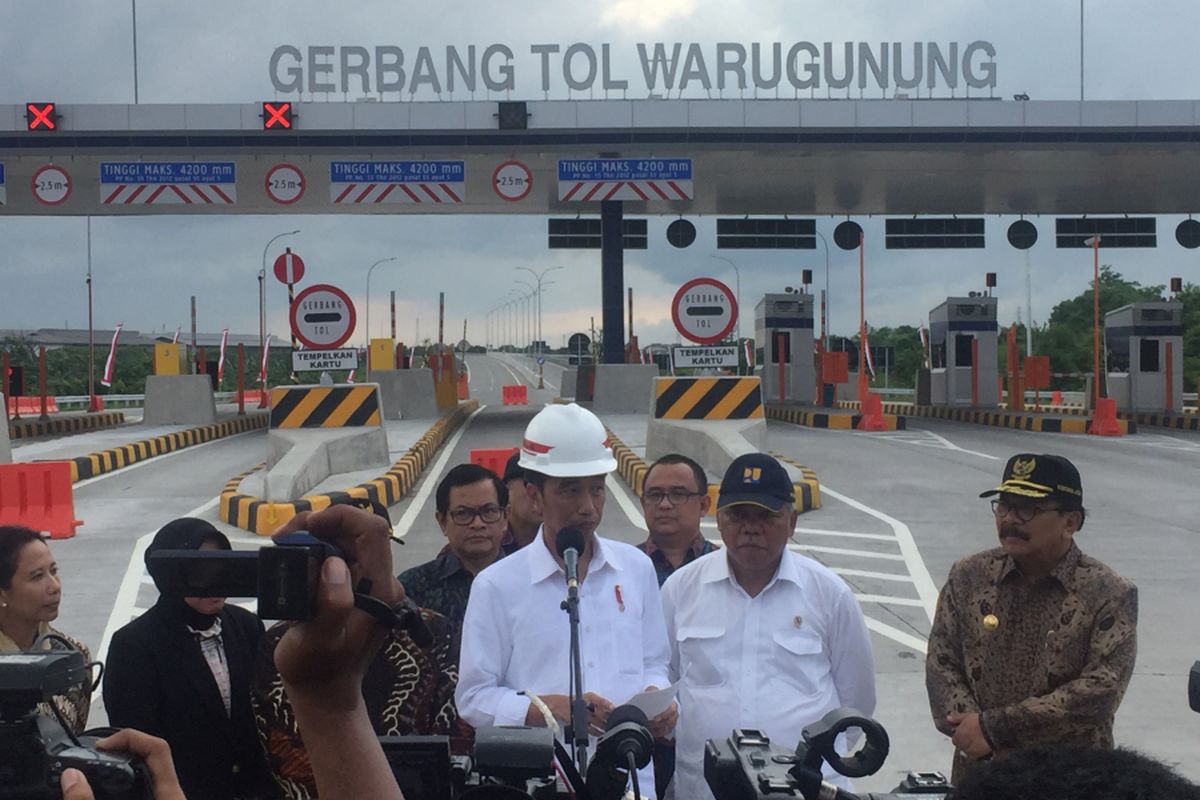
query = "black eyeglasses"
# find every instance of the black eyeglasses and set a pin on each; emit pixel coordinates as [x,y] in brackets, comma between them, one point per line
[1023,513]
[465,515]
[674,496]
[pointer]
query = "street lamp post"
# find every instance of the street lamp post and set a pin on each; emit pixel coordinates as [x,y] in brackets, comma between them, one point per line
[539,277]
[262,302]
[367,324]
[825,304]
[528,312]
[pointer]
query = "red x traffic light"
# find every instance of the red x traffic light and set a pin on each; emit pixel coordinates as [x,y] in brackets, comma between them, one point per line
[41,116]
[277,116]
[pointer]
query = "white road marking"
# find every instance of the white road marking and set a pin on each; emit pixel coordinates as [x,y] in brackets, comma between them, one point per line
[921,437]
[889,600]
[926,588]
[899,577]
[126,602]
[410,514]
[903,637]
[533,376]
[159,459]
[504,364]
[844,551]
[617,490]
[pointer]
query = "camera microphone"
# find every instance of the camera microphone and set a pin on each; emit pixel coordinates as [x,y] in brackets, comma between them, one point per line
[625,740]
[570,544]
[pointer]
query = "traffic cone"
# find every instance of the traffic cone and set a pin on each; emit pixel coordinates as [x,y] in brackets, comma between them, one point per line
[1104,421]
[872,414]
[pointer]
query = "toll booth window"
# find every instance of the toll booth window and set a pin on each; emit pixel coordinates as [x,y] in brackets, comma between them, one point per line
[786,357]
[938,355]
[1156,314]
[1117,357]
[962,350]
[1149,355]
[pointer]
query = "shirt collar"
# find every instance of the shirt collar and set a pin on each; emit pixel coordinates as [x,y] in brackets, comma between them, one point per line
[695,548]
[542,564]
[716,569]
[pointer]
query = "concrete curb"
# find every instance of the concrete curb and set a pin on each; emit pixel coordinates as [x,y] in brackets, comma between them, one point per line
[1185,421]
[1016,420]
[105,461]
[26,428]
[259,516]
[632,470]
[831,420]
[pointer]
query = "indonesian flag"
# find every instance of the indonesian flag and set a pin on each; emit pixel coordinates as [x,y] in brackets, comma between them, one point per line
[748,346]
[111,363]
[866,346]
[175,338]
[221,357]
[350,377]
[262,369]
[924,344]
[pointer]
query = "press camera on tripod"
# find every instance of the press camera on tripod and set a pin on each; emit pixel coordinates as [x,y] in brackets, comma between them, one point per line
[35,748]
[746,766]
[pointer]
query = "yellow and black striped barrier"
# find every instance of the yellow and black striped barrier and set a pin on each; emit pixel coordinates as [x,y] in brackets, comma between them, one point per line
[1014,420]
[831,420]
[325,406]
[632,468]
[708,398]
[259,516]
[26,428]
[105,461]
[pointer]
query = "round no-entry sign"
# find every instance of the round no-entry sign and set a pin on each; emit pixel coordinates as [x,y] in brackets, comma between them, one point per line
[322,317]
[704,310]
[289,267]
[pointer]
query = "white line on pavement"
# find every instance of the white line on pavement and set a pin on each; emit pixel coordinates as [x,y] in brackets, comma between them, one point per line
[843,551]
[410,514]
[158,459]
[908,547]
[617,490]
[126,602]
[888,600]
[949,445]
[903,637]
[879,576]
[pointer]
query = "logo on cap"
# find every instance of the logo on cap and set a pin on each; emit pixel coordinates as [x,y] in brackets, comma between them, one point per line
[1021,470]
[752,475]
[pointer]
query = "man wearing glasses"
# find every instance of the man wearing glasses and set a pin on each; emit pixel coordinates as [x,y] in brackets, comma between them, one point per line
[674,500]
[470,511]
[1033,642]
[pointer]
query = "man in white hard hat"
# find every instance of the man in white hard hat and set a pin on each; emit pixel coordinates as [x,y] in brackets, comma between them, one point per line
[516,638]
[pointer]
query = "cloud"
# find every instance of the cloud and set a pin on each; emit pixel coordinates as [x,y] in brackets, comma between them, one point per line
[643,16]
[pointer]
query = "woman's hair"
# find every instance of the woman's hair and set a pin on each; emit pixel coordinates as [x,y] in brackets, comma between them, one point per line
[13,539]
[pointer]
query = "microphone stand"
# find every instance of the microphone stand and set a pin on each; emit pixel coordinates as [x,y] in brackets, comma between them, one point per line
[578,733]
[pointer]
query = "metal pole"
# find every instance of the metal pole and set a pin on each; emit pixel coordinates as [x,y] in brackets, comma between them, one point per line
[825,300]
[195,350]
[262,300]
[1096,317]
[367,323]
[737,292]
[91,330]
[441,317]
[393,298]
[1028,307]
[1081,51]
[133,4]
[862,323]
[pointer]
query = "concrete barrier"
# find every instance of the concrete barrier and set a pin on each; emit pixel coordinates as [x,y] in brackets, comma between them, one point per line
[407,393]
[623,388]
[566,389]
[179,400]
[301,458]
[5,445]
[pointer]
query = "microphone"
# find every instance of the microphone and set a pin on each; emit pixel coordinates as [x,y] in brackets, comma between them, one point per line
[626,741]
[570,544]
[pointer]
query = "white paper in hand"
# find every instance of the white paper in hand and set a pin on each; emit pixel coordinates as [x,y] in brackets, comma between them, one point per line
[655,701]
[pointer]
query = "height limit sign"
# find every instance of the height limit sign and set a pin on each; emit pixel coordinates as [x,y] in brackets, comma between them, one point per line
[512,181]
[704,310]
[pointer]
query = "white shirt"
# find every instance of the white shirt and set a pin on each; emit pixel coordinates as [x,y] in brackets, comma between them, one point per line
[776,662]
[516,637]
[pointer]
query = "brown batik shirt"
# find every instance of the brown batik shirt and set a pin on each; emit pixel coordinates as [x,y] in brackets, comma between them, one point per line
[407,690]
[1041,663]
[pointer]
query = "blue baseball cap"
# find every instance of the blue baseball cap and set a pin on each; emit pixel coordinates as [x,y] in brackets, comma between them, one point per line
[756,479]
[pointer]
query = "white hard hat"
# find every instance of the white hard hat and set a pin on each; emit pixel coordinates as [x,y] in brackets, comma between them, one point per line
[566,441]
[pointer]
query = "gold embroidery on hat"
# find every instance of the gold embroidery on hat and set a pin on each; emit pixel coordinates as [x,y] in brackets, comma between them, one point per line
[991,622]
[1022,469]
[751,474]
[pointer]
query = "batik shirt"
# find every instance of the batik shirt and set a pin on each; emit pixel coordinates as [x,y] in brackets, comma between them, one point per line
[662,567]
[1042,663]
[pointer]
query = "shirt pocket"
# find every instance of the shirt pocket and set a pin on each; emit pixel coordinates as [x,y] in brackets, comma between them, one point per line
[699,655]
[798,661]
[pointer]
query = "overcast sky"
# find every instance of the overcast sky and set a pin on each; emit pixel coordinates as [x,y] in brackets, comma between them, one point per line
[217,51]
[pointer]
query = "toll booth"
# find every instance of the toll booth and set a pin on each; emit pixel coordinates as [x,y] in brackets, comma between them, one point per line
[1143,346]
[963,344]
[783,328]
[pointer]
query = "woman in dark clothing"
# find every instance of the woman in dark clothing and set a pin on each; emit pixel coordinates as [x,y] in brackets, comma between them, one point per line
[182,672]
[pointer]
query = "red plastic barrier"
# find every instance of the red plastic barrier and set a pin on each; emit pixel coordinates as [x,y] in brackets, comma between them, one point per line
[872,414]
[31,405]
[40,496]
[1104,420]
[514,395]
[464,391]
[495,460]
[1056,398]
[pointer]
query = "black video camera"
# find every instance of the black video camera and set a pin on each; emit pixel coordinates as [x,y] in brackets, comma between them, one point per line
[36,748]
[748,767]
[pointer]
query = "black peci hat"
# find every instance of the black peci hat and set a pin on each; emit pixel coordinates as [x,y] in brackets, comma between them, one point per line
[1038,476]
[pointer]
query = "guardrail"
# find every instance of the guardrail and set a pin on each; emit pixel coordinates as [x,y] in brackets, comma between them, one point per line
[75,402]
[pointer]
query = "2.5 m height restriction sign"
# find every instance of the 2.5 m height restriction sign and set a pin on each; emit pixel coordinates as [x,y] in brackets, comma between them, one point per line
[704,310]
